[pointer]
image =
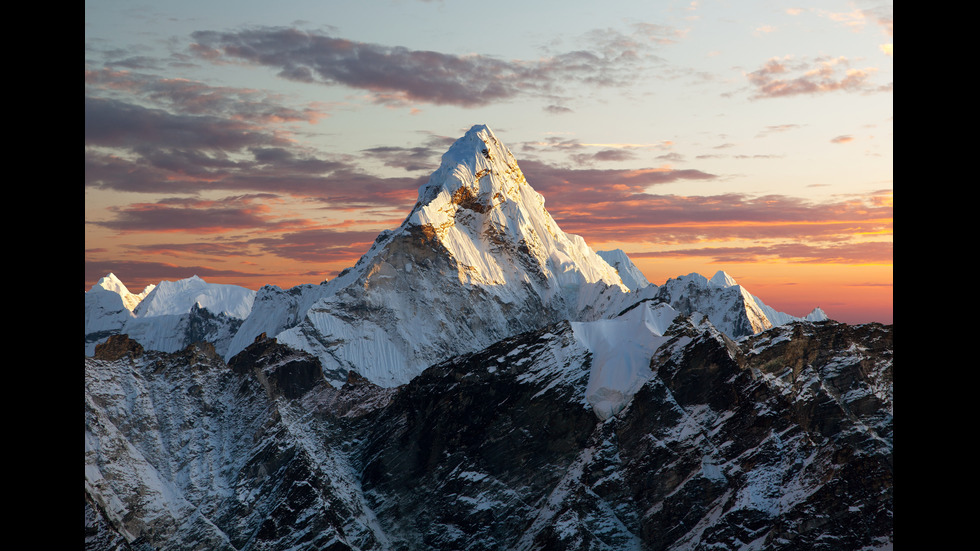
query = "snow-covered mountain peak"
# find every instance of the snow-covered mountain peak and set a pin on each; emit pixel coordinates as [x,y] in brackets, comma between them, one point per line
[113,284]
[478,175]
[632,277]
[722,279]
[817,314]
[477,259]
[166,317]
[693,279]
[477,172]
[479,207]
[728,305]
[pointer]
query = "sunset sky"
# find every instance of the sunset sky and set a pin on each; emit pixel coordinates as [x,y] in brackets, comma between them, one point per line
[256,143]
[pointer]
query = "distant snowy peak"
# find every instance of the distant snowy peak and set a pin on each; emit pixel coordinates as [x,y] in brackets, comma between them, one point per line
[722,279]
[731,308]
[180,297]
[113,284]
[632,277]
[817,314]
[168,316]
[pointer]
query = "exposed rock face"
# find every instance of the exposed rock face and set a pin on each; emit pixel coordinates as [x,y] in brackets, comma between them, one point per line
[281,370]
[467,453]
[118,346]
[778,441]
[784,469]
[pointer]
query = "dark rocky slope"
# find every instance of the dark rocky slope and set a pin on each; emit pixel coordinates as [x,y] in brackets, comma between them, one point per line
[778,441]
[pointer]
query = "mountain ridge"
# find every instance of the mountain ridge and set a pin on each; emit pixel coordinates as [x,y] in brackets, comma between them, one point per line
[478,258]
[481,380]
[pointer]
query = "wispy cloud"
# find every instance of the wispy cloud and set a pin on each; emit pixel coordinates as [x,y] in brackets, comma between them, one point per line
[858,18]
[409,74]
[585,154]
[423,157]
[139,149]
[317,245]
[782,77]
[399,75]
[192,97]
[114,123]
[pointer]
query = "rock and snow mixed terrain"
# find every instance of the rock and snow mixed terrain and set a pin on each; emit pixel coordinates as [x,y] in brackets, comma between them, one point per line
[481,380]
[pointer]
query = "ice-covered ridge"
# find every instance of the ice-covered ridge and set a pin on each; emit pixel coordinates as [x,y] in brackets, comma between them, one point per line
[168,316]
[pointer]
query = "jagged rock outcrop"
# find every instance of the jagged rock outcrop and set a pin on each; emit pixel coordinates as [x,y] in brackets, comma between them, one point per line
[282,371]
[118,346]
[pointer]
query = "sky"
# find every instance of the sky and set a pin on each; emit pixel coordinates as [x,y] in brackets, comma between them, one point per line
[255,143]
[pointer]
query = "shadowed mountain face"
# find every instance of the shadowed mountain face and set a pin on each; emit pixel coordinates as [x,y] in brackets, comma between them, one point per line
[782,441]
